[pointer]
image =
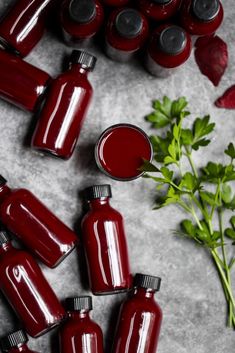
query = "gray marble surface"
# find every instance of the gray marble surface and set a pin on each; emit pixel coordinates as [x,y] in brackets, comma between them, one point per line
[191,296]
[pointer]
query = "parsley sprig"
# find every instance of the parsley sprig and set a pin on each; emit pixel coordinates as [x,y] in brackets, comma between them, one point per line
[203,193]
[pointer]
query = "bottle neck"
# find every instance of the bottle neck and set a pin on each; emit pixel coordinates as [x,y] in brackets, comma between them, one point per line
[4,191]
[79,315]
[144,293]
[5,248]
[99,203]
[78,69]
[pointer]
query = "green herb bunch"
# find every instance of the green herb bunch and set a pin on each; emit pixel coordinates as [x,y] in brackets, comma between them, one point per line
[204,194]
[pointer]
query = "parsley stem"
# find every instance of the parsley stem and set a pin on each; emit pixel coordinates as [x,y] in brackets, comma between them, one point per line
[227,270]
[189,156]
[217,193]
[223,277]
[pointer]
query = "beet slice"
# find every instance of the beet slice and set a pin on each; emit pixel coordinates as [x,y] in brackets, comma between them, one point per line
[211,55]
[227,100]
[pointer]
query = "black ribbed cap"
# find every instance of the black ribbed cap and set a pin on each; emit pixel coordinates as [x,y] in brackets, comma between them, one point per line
[129,23]
[161,2]
[148,282]
[3,181]
[82,11]
[98,191]
[86,60]
[12,340]
[4,237]
[79,303]
[205,10]
[172,40]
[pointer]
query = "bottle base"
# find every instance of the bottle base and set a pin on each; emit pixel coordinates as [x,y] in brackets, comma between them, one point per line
[61,259]
[49,153]
[49,328]
[5,45]
[157,70]
[118,55]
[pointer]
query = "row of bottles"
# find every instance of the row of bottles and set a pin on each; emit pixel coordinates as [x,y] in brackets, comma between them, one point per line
[104,240]
[138,324]
[64,101]
[23,25]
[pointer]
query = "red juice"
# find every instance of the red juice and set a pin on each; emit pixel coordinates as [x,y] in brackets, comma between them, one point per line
[105,244]
[169,47]
[80,334]
[15,342]
[120,151]
[159,10]
[80,20]
[21,84]
[201,17]
[35,225]
[27,290]
[140,318]
[23,25]
[126,33]
[65,108]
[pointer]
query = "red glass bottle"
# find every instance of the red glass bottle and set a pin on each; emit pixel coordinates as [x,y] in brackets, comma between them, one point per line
[140,318]
[105,244]
[80,20]
[15,342]
[26,289]
[170,46]
[21,84]
[65,108]
[80,334]
[126,33]
[35,225]
[120,151]
[117,3]
[159,10]
[23,25]
[201,17]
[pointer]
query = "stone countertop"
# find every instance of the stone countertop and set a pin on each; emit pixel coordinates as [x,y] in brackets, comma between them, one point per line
[191,295]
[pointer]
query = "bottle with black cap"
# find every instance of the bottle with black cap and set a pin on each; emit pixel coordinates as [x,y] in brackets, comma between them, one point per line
[140,318]
[126,33]
[159,10]
[169,47]
[23,25]
[105,243]
[44,234]
[80,20]
[63,113]
[201,17]
[15,342]
[79,325]
[27,290]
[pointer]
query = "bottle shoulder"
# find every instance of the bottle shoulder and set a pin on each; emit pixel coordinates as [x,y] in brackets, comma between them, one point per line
[72,78]
[102,214]
[72,326]
[142,305]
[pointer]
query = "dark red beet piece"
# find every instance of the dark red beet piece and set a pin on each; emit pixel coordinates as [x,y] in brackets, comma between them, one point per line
[211,55]
[227,100]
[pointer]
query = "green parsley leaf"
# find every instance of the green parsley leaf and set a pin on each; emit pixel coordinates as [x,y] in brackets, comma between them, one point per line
[230,151]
